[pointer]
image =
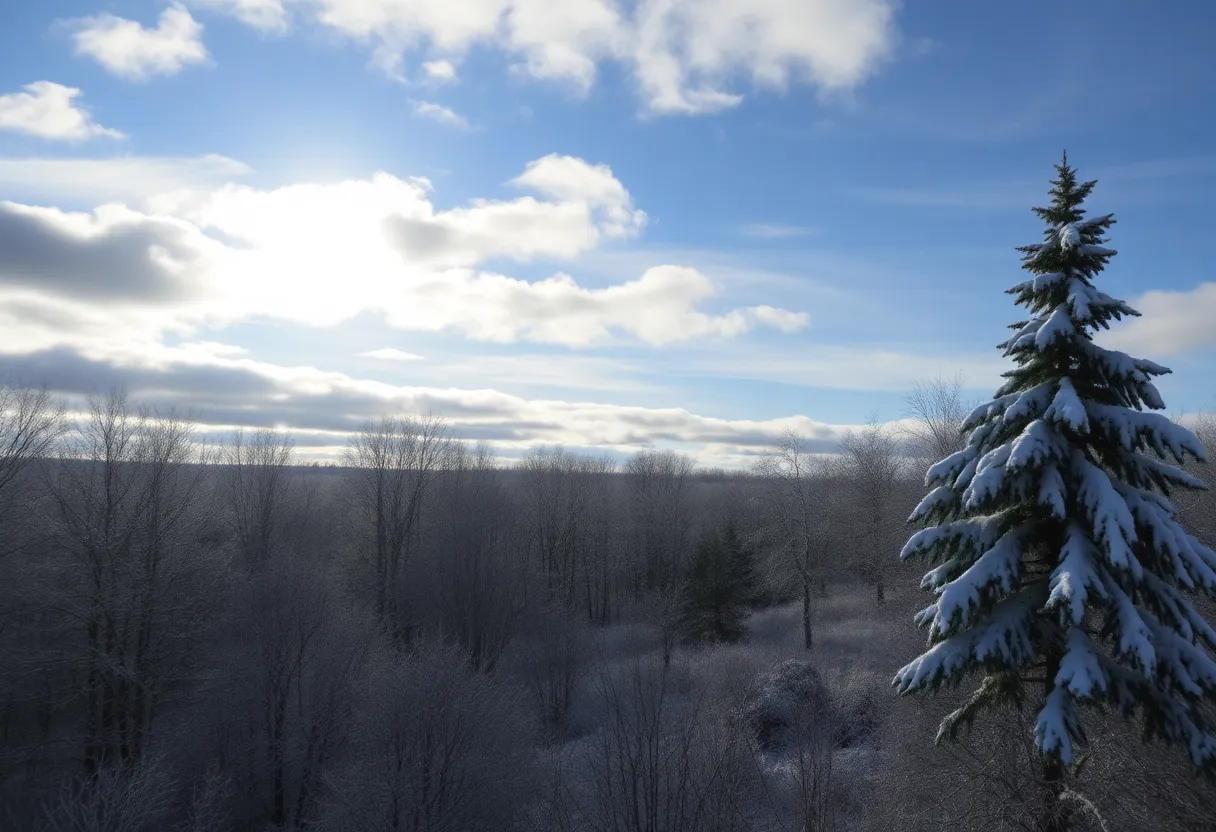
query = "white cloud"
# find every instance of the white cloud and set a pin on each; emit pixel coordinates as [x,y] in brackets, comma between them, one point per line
[221,387]
[439,70]
[774,231]
[440,114]
[320,254]
[391,354]
[149,182]
[127,49]
[661,307]
[263,15]
[49,111]
[686,56]
[1171,323]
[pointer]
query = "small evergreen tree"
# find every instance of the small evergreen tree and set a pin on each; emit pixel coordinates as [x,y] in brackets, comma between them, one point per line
[1061,571]
[718,587]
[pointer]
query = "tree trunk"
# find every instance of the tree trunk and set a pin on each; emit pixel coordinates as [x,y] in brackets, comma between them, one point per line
[807,634]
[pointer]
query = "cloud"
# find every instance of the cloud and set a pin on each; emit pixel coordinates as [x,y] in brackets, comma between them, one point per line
[153,182]
[441,114]
[685,56]
[48,110]
[263,15]
[220,389]
[391,354]
[773,231]
[659,308]
[130,51]
[439,70]
[111,256]
[1171,323]
[319,254]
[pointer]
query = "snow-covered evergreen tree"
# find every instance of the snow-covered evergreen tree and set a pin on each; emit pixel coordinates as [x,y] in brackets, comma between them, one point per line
[1061,572]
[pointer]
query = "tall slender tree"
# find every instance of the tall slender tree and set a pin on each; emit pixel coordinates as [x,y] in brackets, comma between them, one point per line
[1062,573]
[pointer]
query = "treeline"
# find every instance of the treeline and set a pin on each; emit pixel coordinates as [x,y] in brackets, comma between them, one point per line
[214,638]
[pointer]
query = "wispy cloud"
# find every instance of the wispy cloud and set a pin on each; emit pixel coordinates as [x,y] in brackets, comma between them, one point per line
[775,231]
[391,354]
[441,114]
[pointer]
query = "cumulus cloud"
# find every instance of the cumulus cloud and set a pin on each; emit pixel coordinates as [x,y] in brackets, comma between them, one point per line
[685,56]
[1172,323]
[319,254]
[129,50]
[441,114]
[660,307]
[49,111]
[439,70]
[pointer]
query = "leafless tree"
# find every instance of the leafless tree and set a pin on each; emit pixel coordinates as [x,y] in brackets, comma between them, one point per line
[31,423]
[873,469]
[305,649]
[658,484]
[436,748]
[475,576]
[936,410]
[394,464]
[126,500]
[660,764]
[257,486]
[798,516]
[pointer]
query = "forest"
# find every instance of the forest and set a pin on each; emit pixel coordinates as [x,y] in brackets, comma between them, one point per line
[203,637]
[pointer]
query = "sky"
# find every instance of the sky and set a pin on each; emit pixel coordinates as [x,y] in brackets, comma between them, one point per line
[607,224]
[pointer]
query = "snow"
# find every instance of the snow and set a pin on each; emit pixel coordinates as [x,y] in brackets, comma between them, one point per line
[1055,725]
[989,474]
[1070,237]
[1135,636]
[1076,575]
[1132,428]
[1081,671]
[1029,403]
[974,533]
[999,566]
[1097,251]
[1036,444]
[1051,491]
[1059,325]
[1108,514]
[941,496]
[1066,407]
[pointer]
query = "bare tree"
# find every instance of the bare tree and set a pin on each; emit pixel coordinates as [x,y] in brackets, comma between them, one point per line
[659,764]
[557,489]
[475,574]
[436,748]
[394,463]
[658,484]
[936,410]
[873,468]
[257,486]
[305,648]
[126,503]
[797,515]
[31,423]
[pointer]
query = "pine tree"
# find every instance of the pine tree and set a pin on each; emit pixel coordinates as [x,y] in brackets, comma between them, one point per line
[1061,572]
[718,587]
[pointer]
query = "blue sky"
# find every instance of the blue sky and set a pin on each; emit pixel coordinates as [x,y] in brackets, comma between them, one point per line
[761,214]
